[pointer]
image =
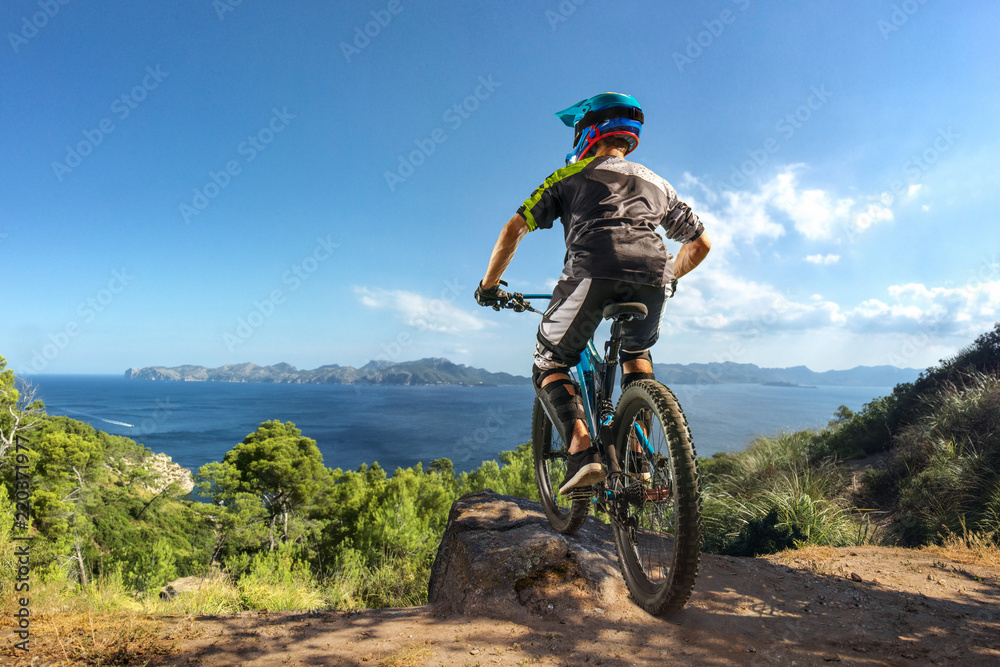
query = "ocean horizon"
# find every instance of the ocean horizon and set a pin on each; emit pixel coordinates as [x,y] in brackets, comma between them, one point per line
[399,426]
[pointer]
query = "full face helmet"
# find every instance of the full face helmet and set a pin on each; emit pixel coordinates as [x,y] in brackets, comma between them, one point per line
[601,116]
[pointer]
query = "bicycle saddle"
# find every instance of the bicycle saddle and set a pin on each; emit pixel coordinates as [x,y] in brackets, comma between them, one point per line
[637,310]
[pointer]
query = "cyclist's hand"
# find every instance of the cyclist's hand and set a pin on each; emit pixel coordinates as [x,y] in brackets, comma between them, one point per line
[673,287]
[493,297]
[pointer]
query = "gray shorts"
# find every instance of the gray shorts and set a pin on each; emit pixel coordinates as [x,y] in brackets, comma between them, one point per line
[576,311]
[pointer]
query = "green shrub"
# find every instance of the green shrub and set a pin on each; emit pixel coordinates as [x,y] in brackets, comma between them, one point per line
[772,494]
[872,429]
[278,581]
[944,470]
[763,536]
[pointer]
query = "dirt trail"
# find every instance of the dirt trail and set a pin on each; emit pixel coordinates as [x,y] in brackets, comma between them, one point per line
[856,606]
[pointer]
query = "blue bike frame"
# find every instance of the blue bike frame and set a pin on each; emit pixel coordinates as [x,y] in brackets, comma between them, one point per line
[585,374]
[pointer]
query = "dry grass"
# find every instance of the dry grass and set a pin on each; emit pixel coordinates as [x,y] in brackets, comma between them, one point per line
[972,548]
[101,626]
[108,625]
[118,638]
[410,656]
[811,552]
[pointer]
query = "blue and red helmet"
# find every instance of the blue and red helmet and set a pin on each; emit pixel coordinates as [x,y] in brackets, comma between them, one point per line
[601,116]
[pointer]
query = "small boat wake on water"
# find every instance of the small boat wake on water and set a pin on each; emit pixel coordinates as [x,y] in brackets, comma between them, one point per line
[106,421]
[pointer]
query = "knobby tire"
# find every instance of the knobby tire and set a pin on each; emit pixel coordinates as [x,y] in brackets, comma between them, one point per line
[657,520]
[565,513]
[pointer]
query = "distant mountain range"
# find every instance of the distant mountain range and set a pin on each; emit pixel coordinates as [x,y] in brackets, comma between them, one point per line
[422,372]
[443,371]
[733,373]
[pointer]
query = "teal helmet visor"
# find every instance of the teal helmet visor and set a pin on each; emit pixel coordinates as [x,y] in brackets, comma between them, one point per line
[601,116]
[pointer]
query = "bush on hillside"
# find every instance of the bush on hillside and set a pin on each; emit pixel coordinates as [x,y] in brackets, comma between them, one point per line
[943,475]
[872,429]
[763,536]
[770,497]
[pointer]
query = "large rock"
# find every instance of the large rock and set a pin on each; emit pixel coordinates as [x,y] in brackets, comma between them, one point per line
[499,557]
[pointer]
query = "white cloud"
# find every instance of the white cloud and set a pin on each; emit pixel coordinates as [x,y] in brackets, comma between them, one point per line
[747,216]
[959,310]
[717,301]
[871,215]
[421,312]
[814,213]
[913,189]
[731,217]
[741,319]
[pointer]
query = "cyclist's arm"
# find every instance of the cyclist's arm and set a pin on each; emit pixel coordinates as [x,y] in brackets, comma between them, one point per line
[691,254]
[503,251]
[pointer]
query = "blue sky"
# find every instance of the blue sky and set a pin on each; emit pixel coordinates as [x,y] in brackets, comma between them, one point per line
[216,182]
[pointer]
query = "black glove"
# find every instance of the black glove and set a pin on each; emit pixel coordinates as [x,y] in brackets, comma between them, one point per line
[673,287]
[493,296]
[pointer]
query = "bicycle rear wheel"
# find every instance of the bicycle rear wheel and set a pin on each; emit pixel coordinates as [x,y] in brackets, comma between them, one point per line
[657,514]
[566,513]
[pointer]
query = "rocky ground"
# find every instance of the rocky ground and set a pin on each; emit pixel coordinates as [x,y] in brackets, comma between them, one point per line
[508,591]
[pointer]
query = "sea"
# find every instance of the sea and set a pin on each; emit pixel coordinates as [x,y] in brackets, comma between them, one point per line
[198,422]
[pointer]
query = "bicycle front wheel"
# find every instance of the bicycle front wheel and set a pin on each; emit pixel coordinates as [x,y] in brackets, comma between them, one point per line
[566,513]
[657,514]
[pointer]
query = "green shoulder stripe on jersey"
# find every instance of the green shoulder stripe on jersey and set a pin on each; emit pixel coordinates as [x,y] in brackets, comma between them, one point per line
[559,175]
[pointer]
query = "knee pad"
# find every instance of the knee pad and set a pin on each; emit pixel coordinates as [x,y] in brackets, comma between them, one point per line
[562,407]
[629,378]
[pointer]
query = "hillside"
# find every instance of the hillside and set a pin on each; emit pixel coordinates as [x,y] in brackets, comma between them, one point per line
[508,590]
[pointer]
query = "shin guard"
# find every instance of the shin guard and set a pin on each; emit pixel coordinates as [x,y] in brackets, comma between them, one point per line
[629,378]
[562,407]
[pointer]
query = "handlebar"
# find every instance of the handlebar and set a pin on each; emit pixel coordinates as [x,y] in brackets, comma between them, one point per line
[519,302]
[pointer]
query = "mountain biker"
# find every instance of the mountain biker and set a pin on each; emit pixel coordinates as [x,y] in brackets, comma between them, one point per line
[610,208]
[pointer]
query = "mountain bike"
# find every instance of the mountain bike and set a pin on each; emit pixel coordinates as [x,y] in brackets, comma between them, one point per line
[650,492]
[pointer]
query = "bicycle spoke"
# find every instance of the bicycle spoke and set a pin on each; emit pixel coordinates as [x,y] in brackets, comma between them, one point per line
[566,513]
[657,530]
